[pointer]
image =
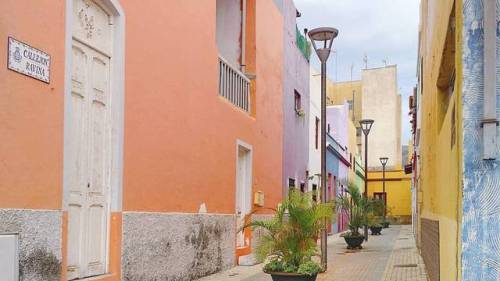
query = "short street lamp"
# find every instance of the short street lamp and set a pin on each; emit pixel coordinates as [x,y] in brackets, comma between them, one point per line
[323,37]
[383,161]
[366,126]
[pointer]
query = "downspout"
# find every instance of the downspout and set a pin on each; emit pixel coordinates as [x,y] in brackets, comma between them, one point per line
[489,122]
[243,35]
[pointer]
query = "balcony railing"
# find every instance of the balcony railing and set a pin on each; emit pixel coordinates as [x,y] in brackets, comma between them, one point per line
[234,85]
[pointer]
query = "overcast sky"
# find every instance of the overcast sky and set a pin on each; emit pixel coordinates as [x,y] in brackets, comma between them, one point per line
[381,29]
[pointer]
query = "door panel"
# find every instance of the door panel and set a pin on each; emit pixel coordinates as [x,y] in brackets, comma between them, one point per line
[243,194]
[88,204]
[78,159]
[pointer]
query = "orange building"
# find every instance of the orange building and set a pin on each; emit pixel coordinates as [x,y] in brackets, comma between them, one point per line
[139,156]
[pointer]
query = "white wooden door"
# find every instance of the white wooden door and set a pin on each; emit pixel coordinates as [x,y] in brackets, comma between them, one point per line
[88,210]
[89,141]
[243,192]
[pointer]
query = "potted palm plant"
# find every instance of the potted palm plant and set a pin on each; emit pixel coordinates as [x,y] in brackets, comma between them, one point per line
[290,240]
[358,210]
[375,225]
[375,217]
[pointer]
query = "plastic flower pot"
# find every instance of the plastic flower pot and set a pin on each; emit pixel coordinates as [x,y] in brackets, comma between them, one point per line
[376,230]
[283,276]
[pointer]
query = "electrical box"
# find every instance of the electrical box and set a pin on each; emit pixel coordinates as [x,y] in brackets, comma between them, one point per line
[9,257]
[258,199]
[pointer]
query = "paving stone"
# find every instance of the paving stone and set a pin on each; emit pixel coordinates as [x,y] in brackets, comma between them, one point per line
[391,256]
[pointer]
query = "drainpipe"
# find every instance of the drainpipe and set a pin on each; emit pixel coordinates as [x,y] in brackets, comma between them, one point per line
[489,122]
[243,35]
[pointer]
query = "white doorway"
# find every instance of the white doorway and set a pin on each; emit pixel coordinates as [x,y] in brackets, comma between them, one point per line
[89,140]
[243,191]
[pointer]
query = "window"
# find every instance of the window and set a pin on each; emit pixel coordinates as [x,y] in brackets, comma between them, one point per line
[380,196]
[446,75]
[315,192]
[302,187]
[358,132]
[298,105]
[291,183]
[228,31]
[316,133]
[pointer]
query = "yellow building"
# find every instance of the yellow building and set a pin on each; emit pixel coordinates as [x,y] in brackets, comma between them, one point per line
[397,190]
[439,149]
[340,92]
[456,130]
[364,98]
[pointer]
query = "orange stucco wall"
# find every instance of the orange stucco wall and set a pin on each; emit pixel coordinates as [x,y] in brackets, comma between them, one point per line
[180,136]
[31,115]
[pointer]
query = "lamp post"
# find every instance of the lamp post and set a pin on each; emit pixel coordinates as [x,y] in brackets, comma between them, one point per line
[366,126]
[324,36]
[383,161]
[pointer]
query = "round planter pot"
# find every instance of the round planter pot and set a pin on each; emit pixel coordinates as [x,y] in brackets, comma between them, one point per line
[283,276]
[376,230]
[385,224]
[354,242]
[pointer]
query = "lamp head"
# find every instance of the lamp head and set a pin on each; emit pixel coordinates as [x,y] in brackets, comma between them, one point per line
[383,160]
[366,125]
[325,36]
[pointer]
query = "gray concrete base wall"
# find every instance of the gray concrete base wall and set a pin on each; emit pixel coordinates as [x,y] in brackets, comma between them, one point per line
[40,239]
[259,232]
[176,247]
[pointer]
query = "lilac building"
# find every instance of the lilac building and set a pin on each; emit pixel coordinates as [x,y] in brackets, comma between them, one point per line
[295,100]
[338,162]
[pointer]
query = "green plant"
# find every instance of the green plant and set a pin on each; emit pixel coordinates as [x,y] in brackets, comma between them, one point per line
[309,268]
[376,216]
[359,209]
[290,239]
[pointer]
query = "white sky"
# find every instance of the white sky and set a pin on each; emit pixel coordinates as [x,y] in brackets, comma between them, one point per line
[381,29]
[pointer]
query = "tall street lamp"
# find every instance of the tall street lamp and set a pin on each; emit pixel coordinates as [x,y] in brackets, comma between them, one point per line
[366,126]
[323,37]
[383,161]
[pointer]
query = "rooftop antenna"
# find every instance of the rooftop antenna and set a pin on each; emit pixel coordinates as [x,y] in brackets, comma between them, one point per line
[365,60]
[384,61]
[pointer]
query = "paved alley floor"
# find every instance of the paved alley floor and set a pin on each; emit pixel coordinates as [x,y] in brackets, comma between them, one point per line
[389,257]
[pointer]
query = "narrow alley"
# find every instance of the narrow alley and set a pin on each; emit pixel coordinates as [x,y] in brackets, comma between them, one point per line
[249,140]
[392,256]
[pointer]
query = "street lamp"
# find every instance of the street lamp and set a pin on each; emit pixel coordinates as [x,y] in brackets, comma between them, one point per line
[383,161]
[366,126]
[322,37]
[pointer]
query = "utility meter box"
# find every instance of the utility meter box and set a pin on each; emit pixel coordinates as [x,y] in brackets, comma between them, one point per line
[9,257]
[258,199]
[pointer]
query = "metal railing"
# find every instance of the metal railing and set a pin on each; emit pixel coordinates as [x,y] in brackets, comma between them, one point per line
[234,85]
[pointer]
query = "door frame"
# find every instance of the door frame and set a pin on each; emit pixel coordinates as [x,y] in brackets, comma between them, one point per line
[240,251]
[116,109]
